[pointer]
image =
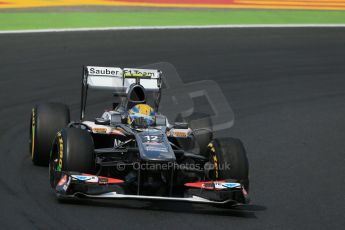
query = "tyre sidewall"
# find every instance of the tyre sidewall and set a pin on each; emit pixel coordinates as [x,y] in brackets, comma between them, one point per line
[46,121]
[73,151]
[229,160]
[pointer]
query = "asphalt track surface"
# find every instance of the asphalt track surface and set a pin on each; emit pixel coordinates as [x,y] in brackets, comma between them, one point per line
[285,86]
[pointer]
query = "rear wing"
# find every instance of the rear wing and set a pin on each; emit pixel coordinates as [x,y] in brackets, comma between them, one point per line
[118,80]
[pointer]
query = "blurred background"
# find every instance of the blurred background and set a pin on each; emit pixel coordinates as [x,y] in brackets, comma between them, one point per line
[43,14]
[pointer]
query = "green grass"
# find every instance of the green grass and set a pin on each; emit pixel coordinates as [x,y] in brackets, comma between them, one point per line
[17,21]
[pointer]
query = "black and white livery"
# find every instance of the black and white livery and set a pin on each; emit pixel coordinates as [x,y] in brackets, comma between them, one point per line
[117,157]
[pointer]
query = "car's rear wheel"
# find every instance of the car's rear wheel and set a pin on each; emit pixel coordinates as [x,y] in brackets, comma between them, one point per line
[230,161]
[46,120]
[73,151]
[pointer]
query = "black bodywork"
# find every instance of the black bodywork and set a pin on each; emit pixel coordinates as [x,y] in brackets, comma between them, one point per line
[140,162]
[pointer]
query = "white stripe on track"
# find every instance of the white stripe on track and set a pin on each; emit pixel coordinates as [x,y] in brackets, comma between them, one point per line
[173,28]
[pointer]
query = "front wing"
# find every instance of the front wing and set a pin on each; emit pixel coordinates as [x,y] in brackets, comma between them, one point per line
[86,186]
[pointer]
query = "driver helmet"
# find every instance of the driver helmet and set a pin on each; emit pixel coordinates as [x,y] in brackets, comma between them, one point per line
[143,112]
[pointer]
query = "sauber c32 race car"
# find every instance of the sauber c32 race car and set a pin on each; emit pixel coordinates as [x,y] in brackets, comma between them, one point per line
[133,151]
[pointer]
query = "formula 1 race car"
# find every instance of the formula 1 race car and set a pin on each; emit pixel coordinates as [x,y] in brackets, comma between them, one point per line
[132,151]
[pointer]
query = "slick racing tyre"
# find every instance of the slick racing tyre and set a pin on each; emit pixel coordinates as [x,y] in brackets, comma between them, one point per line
[46,120]
[73,150]
[229,160]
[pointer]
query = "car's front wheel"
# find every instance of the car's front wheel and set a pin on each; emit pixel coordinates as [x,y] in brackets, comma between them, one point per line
[229,159]
[73,150]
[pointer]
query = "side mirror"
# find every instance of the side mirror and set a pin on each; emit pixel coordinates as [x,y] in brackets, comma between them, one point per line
[181,125]
[102,121]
